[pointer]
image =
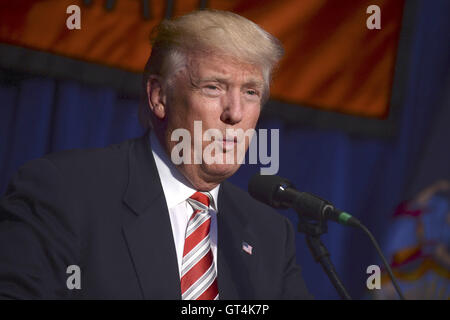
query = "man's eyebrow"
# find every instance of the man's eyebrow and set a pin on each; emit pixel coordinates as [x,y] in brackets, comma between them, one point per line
[249,83]
[254,83]
[213,78]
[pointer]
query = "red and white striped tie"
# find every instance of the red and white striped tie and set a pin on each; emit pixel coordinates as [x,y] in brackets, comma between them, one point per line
[198,274]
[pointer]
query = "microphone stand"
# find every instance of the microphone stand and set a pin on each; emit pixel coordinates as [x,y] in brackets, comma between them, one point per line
[313,231]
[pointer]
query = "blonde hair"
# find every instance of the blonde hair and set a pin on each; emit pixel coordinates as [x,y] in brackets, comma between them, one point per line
[209,31]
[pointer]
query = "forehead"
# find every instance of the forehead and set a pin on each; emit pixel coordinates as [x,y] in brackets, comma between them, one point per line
[203,65]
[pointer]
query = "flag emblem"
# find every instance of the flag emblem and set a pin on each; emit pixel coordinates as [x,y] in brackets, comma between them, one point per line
[247,248]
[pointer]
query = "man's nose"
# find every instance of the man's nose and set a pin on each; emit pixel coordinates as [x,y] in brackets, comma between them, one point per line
[232,108]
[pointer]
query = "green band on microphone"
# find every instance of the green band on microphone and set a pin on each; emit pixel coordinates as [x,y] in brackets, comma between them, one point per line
[343,217]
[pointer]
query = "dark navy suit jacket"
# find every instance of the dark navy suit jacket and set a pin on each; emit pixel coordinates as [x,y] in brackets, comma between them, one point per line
[104,210]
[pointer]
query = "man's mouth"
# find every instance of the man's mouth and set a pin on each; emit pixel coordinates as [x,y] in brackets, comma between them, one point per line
[229,142]
[230,139]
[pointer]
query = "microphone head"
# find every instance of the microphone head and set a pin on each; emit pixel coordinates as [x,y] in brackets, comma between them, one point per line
[265,187]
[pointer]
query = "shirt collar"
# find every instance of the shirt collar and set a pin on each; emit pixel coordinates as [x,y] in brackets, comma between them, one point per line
[175,186]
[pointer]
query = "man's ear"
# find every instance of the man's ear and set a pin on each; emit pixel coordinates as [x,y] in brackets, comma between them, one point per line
[156,96]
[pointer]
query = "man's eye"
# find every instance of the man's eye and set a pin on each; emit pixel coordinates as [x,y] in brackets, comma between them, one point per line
[211,90]
[252,92]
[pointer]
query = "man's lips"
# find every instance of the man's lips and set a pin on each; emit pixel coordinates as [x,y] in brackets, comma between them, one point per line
[231,139]
[229,142]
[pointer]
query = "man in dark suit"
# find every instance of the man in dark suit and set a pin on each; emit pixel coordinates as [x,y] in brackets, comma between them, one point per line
[130,221]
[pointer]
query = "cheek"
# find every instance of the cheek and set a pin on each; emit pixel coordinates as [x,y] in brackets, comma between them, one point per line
[252,116]
[207,110]
[182,111]
[175,118]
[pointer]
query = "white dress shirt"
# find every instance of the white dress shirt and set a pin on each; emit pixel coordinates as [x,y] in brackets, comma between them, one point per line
[176,190]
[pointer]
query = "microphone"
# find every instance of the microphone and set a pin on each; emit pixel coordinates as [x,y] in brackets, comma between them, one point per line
[279,192]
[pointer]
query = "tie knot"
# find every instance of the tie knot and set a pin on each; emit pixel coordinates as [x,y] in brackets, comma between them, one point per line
[202,197]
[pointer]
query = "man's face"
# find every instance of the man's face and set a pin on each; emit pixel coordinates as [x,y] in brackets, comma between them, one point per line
[223,94]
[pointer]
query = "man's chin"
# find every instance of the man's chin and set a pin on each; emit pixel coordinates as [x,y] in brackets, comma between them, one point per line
[220,171]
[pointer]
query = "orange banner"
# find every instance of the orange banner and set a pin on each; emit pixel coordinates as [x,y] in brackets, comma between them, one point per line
[333,61]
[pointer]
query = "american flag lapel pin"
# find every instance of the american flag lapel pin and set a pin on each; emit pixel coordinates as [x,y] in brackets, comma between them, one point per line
[247,248]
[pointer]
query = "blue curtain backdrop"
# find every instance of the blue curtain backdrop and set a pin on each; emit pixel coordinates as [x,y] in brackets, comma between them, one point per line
[366,176]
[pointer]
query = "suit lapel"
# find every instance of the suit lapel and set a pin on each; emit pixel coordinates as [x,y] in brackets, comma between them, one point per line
[148,233]
[237,269]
